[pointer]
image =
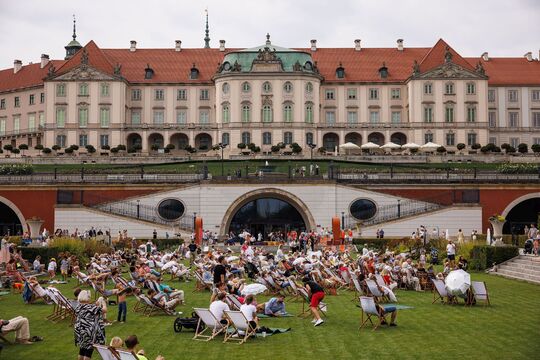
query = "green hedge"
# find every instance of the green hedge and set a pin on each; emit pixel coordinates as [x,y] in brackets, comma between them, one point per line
[372,243]
[46,253]
[484,256]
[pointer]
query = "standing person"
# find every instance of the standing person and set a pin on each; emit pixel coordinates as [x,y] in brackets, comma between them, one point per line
[451,253]
[64,266]
[192,252]
[316,294]
[122,305]
[154,234]
[4,251]
[220,272]
[89,327]
[533,232]
[51,269]
[460,237]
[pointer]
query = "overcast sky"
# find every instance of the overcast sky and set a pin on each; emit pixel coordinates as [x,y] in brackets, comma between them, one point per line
[501,27]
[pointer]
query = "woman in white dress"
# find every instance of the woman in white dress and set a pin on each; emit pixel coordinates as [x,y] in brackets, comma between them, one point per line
[4,251]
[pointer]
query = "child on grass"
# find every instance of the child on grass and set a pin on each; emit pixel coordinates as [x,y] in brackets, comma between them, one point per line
[64,266]
[51,269]
[122,304]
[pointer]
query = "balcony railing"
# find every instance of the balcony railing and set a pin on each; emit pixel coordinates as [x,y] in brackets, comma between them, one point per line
[34,131]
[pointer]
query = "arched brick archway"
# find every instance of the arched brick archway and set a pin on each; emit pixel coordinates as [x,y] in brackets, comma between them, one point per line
[16,210]
[269,192]
[519,200]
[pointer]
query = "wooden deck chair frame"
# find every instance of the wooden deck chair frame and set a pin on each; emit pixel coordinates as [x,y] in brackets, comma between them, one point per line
[38,296]
[357,289]
[374,290]
[438,294]
[126,355]
[237,322]
[62,307]
[152,309]
[369,310]
[305,304]
[106,352]
[294,289]
[3,337]
[341,284]
[210,324]
[480,292]
[200,284]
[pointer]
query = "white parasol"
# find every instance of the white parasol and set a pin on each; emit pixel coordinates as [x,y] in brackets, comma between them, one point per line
[488,236]
[349,146]
[232,258]
[253,289]
[369,146]
[410,146]
[390,145]
[430,146]
[458,282]
[298,260]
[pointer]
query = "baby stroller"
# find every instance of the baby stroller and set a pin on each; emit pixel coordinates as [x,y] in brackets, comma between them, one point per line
[528,246]
[188,323]
[434,256]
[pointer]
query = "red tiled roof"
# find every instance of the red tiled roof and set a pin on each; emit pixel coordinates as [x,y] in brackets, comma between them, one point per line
[436,57]
[96,59]
[29,76]
[510,71]
[364,65]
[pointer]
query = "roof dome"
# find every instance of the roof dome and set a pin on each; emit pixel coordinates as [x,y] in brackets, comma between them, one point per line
[267,58]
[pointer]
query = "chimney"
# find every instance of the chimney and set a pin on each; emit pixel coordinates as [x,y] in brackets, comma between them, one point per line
[485,56]
[133,46]
[357,46]
[400,44]
[17,65]
[313,45]
[44,60]
[221,45]
[528,56]
[177,45]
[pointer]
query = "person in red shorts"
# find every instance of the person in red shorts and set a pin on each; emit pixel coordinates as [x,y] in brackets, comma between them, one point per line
[316,294]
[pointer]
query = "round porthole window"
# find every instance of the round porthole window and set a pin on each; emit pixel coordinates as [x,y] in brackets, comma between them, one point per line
[363,209]
[171,209]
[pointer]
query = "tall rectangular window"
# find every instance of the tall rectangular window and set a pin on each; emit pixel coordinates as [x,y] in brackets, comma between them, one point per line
[204,94]
[159,94]
[428,114]
[60,117]
[181,94]
[373,94]
[2,126]
[352,117]
[351,94]
[513,119]
[17,102]
[535,95]
[428,137]
[2,104]
[135,117]
[61,90]
[512,95]
[181,117]
[83,117]
[492,119]
[471,114]
[32,122]
[41,119]
[449,88]
[493,140]
[41,98]
[374,117]
[471,88]
[330,117]
[329,94]
[288,113]
[536,140]
[428,88]
[32,99]
[536,119]
[396,117]
[449,114]
[159,117]
[204,117]
[61,140]
[16,124]
[395,94]
[136,94]
[450,139]
[104,89]
[267,138]
[104,117]
[514,142]
[309,113]
[103,140]
[83,140]
[83,89]
[491,95]
[471,139]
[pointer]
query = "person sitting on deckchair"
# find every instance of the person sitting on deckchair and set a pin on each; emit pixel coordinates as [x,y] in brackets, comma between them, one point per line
[218,306]
[275,306]
[389,309]
[250,311]
[160,300]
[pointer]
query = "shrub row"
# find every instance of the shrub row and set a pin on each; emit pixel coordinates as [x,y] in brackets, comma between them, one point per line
[518,168]
[484,256]
[16,169]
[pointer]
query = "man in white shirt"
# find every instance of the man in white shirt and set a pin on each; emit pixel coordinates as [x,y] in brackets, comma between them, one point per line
[451,253]
[218,306]
[250,311]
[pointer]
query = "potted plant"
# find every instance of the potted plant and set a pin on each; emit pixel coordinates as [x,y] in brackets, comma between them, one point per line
[23,147]
[47,151]
[497,222]
[522,148]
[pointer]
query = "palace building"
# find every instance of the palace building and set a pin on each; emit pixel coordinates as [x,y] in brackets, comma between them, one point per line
[265,95]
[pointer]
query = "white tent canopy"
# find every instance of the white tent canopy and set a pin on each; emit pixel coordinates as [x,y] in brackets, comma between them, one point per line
[349,146]
[391,145]
[410,146]
[430,146]
[370,145]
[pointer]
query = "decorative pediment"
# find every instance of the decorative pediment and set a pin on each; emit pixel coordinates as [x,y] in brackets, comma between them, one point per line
[267,61]
[448,70]
[84,73]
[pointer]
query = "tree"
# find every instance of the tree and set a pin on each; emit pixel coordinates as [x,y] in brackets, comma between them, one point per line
[56,147]
[121,147]
[47,150]
[74,147]
[505,146]
[39,147]
[523,148]
[296,148]
[105,147]
[15,151]
[441,149]
[90,148]
[510,149]
[241,146]
[535,148]
[275,148]
[69,150]
[170,146]
[476,146]
[115,150]
[8,147]
[190,149]
[461,146]
[23,147]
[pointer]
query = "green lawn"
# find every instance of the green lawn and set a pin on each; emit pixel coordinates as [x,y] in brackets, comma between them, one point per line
[509,329]
[214,167]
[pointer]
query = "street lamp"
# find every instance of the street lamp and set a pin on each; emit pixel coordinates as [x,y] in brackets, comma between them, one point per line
[398,208]
[342,220]
[138,208]
[222,146]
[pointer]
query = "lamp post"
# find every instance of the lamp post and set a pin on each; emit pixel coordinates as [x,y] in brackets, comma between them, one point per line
[222,146]
[398,208]
[342,220]
[138,208]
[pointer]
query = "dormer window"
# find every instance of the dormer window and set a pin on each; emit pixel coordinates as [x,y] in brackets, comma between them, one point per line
[308,66]
[383,71]
[148,72]
[340,72]
[226,66]
[194,73]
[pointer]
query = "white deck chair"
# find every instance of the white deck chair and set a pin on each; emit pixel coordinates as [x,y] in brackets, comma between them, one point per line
[106,352]
[233,301]
[440,292]
[374,289]
[357,288]
[40,293]
[480,292]
[126,355]
[294,289]
[306,302]
[369,308]
[211,324]
[379,279]
[240,325]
